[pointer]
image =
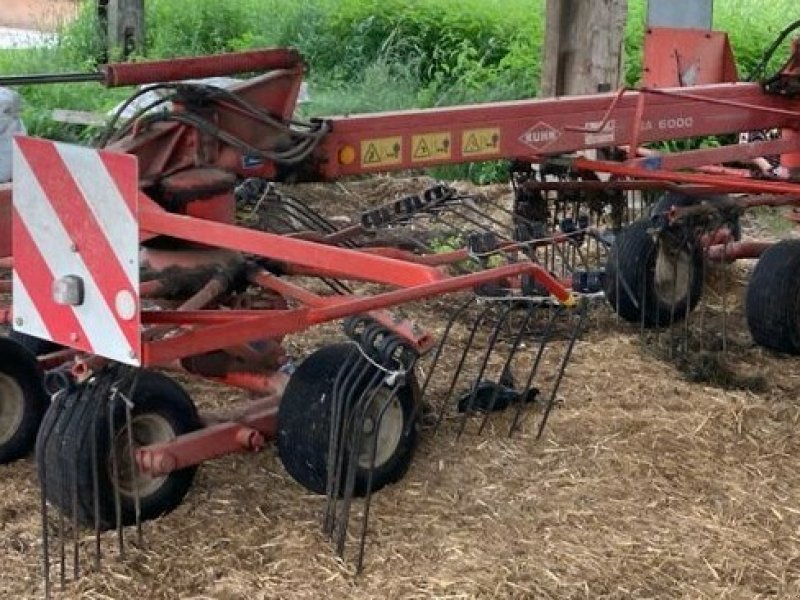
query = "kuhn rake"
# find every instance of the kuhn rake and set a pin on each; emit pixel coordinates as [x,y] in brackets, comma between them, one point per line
[129,257]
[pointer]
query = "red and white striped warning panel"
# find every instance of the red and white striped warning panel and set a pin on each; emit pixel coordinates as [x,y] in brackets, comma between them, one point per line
[76,246]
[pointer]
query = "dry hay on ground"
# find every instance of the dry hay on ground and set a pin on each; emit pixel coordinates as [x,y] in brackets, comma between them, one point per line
[644,486]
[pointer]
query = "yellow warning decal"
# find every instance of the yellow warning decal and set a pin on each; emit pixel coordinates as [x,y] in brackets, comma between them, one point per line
[430,146]
[480,141]
[382,152]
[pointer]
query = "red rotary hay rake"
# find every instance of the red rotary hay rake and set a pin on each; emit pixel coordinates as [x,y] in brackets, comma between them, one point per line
[128,257]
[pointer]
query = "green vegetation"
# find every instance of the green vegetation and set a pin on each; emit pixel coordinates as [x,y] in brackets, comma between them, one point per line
[367,55]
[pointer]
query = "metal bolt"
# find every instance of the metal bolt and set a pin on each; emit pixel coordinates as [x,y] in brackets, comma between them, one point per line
[18,322]
[132,354]
[73,247]
[74,337]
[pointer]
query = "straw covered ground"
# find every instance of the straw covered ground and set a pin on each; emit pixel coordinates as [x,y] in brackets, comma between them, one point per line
[645,485]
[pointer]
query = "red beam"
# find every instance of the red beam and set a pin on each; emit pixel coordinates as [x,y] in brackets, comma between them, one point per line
[728,183]
[239,327]
[529,129]
[709,156]
[326,260]
[249,434]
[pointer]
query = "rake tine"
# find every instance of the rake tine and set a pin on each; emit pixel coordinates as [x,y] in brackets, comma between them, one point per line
[57,401]
[112,401]
[546,335]
[486,355]
[576,332]
[507,366]
[364,367]
[356,434]
[368,496]
[337,400]
[460,367]
[439,348]
[137,504]
[99,406]
[724,300]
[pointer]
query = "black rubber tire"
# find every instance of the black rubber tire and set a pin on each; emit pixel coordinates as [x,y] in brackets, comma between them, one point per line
[635,298]
[20,367]
[304,425]
[773,298]
[34,345]
[74,437]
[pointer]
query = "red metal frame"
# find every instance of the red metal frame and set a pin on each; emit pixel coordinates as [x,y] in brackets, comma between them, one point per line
[362,144]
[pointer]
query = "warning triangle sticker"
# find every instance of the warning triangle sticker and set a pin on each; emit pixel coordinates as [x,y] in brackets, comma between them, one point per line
[371,156]
[472,144]
[422,151]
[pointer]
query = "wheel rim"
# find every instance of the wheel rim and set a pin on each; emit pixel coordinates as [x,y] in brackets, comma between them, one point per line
[146,429]
[673,275]
[12,407]
[388,433]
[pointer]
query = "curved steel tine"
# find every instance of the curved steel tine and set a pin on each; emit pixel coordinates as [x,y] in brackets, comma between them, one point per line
[115,475]
[133,376]
[360,371]
[58,402]
[337,400]
[490,346]
[546,336]
[99,406]
[507,366]
[460,367]
[355,433]
[439,348]
[368,496]
[576,332]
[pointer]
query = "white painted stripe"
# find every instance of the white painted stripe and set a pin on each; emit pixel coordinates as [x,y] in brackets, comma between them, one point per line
[54,244]
[25,309]
[104,198]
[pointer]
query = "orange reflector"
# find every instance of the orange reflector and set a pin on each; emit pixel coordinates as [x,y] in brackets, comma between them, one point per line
[347,155]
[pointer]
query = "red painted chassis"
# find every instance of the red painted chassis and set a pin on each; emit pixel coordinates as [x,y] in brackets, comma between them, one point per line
[526,130]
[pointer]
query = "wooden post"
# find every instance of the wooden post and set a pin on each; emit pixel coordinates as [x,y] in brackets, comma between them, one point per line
[122,21]
[583,46]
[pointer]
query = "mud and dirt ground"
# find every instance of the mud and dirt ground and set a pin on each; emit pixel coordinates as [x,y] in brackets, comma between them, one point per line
[644,486]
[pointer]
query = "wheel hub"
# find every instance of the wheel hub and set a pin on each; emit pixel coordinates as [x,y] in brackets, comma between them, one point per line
[382,428]
[673,275]
[146,429]
[12,407]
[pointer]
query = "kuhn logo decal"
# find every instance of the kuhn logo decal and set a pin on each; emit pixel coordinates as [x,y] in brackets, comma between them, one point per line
[540,136]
